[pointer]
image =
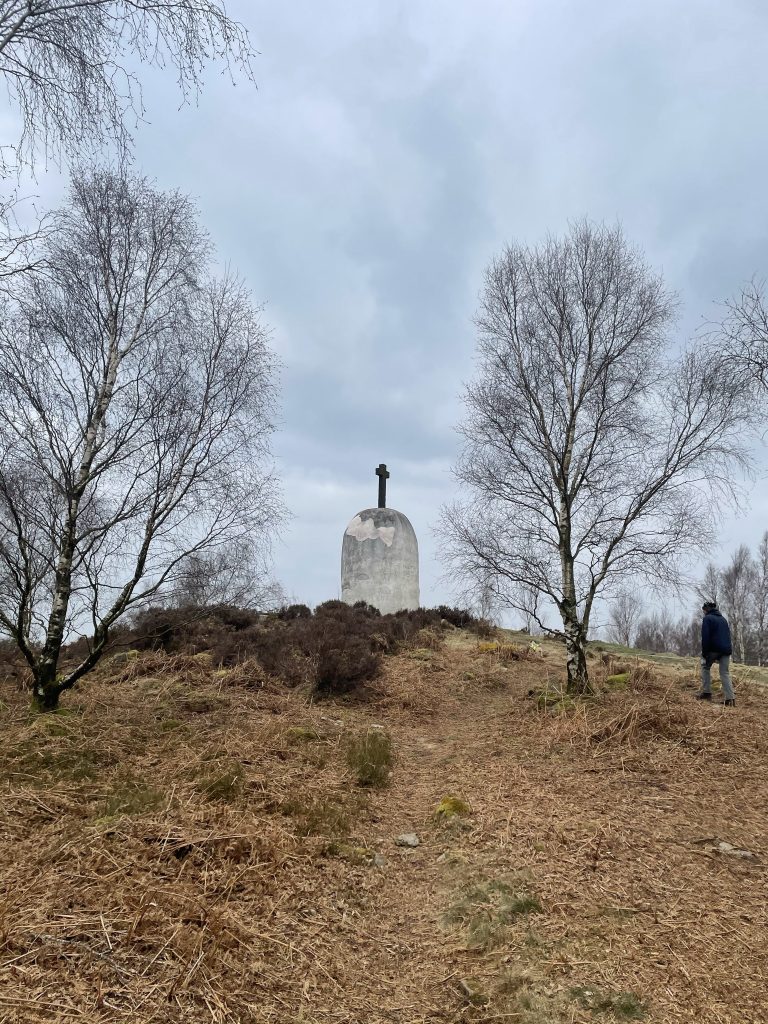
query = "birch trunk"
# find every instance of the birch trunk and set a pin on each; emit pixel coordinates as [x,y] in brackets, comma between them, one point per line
[576,659]
[47,687]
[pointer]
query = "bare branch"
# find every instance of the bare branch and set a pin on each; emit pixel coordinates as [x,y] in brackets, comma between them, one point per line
[66,64]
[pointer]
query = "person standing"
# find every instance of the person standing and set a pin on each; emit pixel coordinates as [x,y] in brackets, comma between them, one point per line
[715,647]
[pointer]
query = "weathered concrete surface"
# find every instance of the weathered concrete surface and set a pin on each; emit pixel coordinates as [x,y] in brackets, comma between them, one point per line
[380,561]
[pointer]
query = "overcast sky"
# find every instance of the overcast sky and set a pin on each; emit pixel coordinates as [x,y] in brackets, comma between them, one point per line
[392,148]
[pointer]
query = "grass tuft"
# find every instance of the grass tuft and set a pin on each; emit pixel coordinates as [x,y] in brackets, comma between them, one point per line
[319,816]
[301,734]
[369,757]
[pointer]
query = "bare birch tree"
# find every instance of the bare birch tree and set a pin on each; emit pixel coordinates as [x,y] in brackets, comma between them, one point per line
[711,584]
[624,613]
[761,601]
[590,454]
[738,582]
[136,397]
[68,69]
[20,248]
[236,574]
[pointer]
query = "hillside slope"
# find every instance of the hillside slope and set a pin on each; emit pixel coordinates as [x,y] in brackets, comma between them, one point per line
[186,844]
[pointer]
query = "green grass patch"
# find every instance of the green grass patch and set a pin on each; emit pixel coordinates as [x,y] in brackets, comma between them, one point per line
[171,724]
[486,909]
[621,1005]
[43,760]
[130,797]
[222,780]
[618,681]
[556,701]
[301,734]
[360,855]
[420,654]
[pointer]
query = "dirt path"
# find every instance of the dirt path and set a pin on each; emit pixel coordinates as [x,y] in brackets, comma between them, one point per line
[610,846]
[190,846]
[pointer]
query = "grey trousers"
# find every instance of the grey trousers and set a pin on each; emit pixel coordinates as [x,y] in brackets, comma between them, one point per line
[723,664]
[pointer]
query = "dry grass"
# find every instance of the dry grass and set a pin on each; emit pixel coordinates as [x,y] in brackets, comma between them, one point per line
[184,844]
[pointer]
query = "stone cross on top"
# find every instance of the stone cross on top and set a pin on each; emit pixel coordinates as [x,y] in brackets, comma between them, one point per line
[383,476]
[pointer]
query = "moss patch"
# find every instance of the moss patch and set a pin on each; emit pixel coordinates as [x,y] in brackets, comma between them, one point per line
[618,681]
[452,807]
[301,734]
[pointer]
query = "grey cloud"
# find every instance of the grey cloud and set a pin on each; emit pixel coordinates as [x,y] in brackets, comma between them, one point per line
[392,148]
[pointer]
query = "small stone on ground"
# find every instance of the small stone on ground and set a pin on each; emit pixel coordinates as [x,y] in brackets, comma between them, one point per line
[407,839]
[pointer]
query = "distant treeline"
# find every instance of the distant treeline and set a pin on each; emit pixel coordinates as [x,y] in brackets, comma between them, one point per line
[740,589]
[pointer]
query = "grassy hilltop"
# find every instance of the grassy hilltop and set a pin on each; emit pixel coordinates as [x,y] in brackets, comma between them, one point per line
[183,842]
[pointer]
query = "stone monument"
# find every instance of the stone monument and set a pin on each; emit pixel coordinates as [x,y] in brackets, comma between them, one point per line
[380,557]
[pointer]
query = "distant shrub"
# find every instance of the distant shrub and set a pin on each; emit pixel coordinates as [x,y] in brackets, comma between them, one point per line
[154,629]
[13,667]
[363,608]
[459,617]
[334,609]
[293,611]
[429,638]
[334,652]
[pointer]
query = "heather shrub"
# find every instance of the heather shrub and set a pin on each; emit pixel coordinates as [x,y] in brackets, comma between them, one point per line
[334,609]
[293,611]
[462,618]
[344,662]
[13,667]
[334,650]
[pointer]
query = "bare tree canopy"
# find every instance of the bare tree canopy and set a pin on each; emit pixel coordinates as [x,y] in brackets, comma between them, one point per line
[236,574]
[67,64]
[624,613]
[590,454]
[19,246]
[136,399]
[743,335]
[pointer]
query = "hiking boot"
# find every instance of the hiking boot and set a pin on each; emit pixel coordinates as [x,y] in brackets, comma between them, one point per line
[703,696]
[729,703]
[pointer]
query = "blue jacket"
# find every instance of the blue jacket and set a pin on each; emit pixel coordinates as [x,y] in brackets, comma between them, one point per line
[715,634]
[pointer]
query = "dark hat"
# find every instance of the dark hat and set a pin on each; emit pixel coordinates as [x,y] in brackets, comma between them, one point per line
[708,606]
